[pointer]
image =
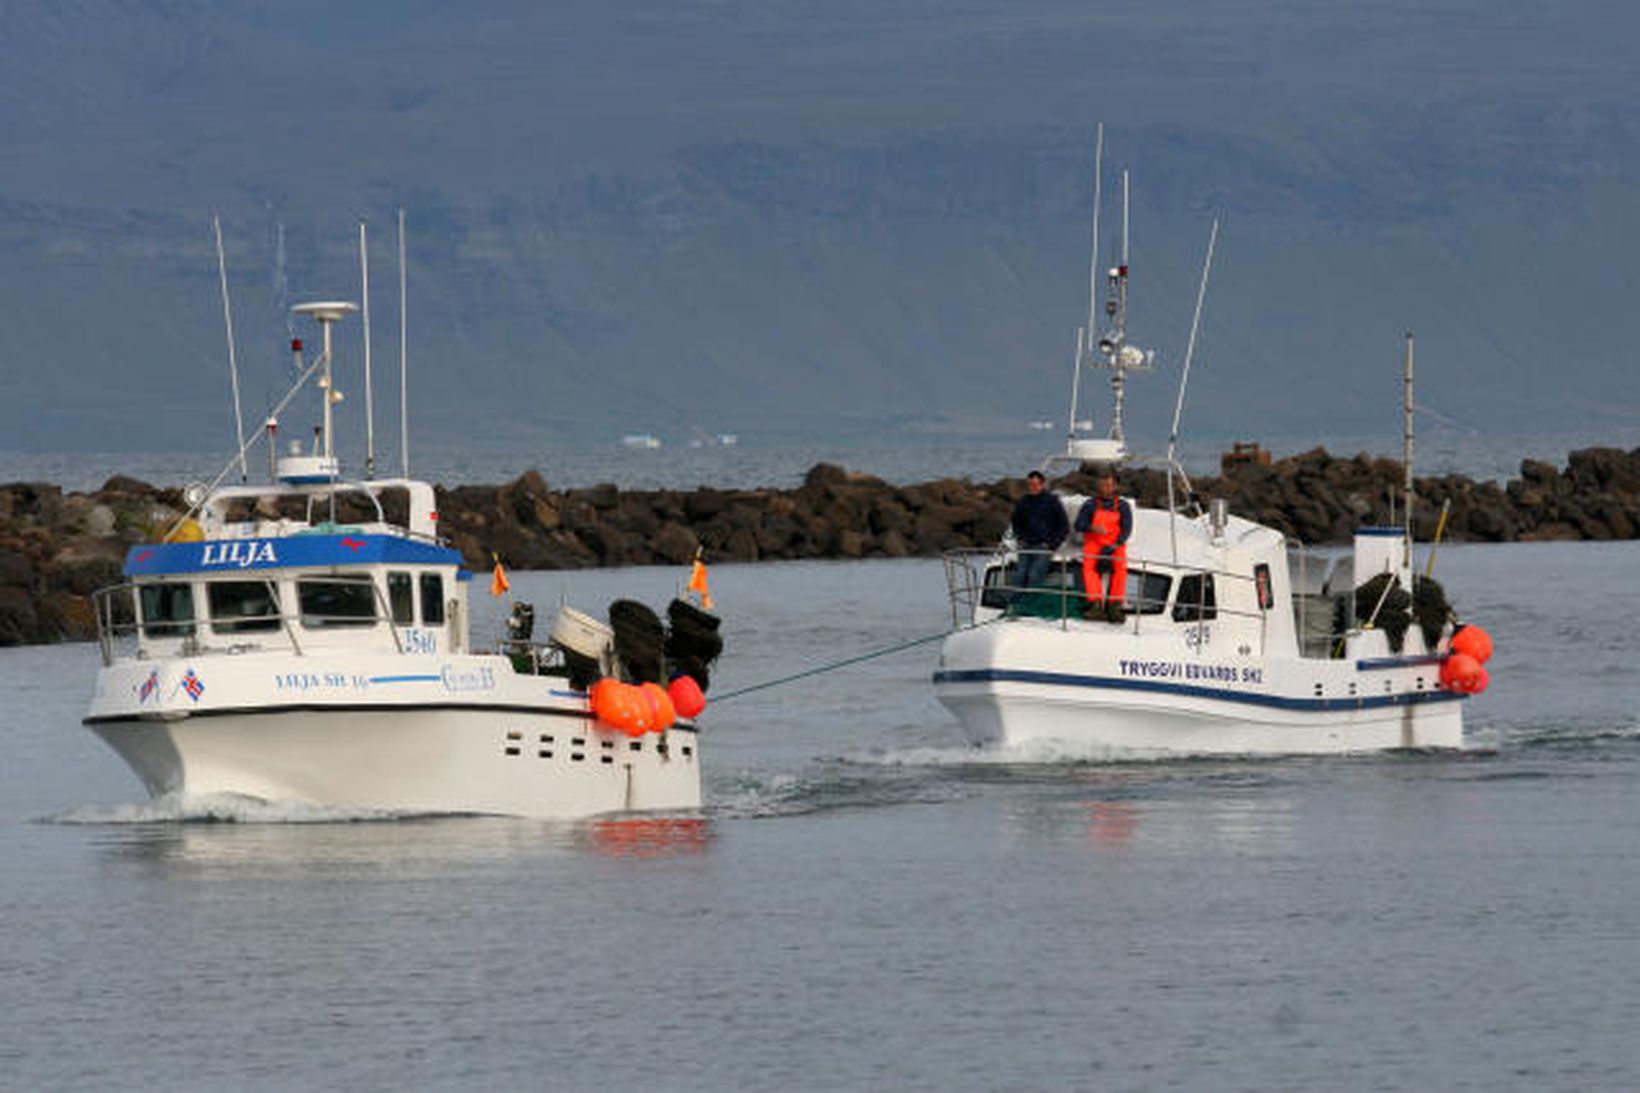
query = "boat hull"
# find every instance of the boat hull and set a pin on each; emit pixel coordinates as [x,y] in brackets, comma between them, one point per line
[1023,688]
[519,748]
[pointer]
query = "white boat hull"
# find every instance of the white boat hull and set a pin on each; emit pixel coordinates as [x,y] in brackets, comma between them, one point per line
[1023,684]
[498,743]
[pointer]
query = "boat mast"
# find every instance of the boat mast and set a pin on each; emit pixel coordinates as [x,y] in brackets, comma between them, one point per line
[1088,335]
[404,395]
[233,359]
[1076,385]
[1118,381]
[327,315]
[1184,379]
[369,400]
[1406,465]
[1093,257]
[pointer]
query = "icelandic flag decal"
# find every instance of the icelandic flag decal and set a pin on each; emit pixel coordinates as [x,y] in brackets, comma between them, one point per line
[193,684]
[149,686]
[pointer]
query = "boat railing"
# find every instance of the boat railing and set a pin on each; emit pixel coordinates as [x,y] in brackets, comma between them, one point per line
[121,635]
[978,584]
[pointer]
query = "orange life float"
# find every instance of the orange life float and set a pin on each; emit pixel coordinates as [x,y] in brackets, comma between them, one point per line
[1472,641]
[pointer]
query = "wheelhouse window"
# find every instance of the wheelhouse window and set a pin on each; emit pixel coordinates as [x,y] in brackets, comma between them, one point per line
[336,601]
[998,581]
[167,610]
[401,598]
[243,606]
[432,599]
[1261,582]
[1147,595]
[1196,602]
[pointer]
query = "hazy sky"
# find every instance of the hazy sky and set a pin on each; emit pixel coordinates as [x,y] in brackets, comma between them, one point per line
[819,216]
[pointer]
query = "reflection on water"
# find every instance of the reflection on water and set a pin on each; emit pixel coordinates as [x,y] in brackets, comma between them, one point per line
[650,836]
[396,847]
[1111,823]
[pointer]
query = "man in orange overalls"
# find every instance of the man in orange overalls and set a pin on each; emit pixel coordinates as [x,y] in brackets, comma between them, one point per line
[1105,521]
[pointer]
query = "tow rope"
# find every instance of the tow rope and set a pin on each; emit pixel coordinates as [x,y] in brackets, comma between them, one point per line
[832,667]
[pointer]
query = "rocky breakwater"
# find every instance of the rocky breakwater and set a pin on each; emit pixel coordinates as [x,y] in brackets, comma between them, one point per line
[55,548]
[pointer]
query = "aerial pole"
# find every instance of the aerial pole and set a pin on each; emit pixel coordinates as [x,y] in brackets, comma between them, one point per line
[233,358]
[1406,464]
[1076,383]
[369,399]
[1184,379]
[1093,261]
[404,388]
[1118,380]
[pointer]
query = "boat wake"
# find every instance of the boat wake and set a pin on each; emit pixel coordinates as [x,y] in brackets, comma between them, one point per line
[1043,752]
[224,808]
[837,784]
[1590,735]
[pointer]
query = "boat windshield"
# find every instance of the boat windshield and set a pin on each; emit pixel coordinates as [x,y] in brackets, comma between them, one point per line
[239,606]
[336,601]
[1146,592]
[167,610]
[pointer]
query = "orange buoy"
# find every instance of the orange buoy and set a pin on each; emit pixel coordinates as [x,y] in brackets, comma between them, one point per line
[1472,641]
[1482,681]
[686,696]
[599,697]
[635,716]
[620,706]
[1459,672]
[659,703]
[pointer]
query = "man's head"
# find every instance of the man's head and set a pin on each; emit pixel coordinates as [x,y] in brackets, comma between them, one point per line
[1106,482]
[1035,482]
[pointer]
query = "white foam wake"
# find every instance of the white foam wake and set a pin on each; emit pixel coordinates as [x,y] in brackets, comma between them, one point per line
[222,808]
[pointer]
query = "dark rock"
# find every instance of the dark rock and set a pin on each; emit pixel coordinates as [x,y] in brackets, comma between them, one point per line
[674,543]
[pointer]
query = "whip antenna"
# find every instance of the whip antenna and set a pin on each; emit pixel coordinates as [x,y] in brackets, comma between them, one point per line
[369,399]
[404,383]
[233,357]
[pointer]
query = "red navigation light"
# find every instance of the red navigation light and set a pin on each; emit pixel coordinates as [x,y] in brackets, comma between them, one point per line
[296,345]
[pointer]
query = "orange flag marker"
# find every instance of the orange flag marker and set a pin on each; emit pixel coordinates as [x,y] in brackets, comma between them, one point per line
[697,583]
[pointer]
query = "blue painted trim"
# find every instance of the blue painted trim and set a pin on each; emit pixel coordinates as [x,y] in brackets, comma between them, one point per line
[1375,664]
[405,679]
[1382,533]
[285,552]
[1246,698]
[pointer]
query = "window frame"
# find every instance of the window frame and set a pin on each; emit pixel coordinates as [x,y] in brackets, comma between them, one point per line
[243,624]
[170,625]
[435,580]
[314,583]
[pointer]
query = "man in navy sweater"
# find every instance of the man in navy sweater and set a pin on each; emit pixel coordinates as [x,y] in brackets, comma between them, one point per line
[1039,527]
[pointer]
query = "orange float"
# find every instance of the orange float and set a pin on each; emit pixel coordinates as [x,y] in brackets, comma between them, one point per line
[1460,672]
[621,706]
[1472,641]
[686,696]
[659,705]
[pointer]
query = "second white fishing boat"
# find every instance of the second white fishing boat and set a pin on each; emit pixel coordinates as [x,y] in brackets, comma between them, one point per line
[1230,639]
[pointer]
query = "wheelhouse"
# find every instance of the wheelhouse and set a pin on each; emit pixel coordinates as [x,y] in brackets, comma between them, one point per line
[270,570]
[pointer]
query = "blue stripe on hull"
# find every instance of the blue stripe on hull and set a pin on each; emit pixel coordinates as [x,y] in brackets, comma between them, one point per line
[1280,702]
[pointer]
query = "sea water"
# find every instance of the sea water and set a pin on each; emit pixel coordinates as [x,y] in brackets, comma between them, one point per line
[865,901]
[900,458]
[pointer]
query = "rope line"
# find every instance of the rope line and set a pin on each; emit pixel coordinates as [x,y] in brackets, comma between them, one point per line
[874,654]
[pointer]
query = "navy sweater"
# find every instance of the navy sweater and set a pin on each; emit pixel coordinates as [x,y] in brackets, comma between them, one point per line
[1039,521]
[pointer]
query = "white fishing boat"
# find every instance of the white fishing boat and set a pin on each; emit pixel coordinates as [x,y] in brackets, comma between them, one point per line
[307,641]
[1231,639]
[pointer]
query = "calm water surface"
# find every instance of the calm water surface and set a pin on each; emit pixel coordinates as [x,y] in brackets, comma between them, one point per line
[866,903]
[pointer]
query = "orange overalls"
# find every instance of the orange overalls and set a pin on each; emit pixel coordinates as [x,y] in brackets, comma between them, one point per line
[1104,530]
